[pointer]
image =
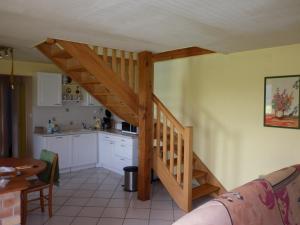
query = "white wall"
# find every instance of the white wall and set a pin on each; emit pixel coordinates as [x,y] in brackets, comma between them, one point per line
[221,96]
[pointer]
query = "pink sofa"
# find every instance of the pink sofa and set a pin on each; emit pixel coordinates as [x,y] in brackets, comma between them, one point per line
[273,200]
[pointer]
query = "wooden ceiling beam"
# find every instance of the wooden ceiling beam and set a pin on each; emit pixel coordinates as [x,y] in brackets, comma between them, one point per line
[180,53]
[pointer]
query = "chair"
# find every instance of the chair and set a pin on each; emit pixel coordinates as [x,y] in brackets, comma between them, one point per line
[45,180]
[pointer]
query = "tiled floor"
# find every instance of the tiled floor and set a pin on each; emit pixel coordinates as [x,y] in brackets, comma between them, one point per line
[95,197]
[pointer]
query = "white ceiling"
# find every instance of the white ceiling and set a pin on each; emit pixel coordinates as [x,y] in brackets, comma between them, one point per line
[155,25]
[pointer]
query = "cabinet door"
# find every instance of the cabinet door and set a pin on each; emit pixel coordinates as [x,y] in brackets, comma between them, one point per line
[88,100]
[62,146]
[84,149]
[106,147]
[106,151]
[49,89]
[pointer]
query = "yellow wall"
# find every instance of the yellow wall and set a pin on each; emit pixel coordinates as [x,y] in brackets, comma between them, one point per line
[26,68]
[221,96]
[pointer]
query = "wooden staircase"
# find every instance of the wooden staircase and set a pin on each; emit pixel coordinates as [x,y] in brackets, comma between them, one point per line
[175,163]
[111,76]
[110,79]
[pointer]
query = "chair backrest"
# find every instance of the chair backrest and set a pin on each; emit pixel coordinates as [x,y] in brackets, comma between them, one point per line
[53,168]
[50,174]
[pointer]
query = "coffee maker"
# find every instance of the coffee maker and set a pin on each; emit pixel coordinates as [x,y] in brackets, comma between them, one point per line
[106,122]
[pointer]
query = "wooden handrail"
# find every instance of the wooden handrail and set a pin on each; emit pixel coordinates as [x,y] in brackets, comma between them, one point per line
[168,114]
[173,154]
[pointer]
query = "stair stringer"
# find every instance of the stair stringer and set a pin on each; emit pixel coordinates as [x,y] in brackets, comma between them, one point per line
[169,182]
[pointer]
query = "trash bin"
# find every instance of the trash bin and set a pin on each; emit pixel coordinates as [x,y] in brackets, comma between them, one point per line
[130,178]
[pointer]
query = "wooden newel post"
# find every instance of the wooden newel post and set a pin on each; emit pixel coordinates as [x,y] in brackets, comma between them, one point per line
[145,124]
[188,168]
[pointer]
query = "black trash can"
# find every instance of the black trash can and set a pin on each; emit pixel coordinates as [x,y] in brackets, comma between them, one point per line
[130,178]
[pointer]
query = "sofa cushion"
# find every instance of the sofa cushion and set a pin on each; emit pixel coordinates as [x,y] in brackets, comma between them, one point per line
[287,193]
[252,204]
[211,213]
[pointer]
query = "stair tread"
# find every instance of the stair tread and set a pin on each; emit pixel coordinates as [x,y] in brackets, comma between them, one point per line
[198,173]
[204,189]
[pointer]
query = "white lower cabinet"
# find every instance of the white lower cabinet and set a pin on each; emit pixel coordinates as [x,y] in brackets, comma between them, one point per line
[117,152]
[85,149]
[77,150]
[62,146]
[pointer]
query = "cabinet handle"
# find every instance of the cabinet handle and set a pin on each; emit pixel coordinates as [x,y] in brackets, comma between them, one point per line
[123,145]
[57,104]
[122,140]
[76,135]
[122,159]
[59,137]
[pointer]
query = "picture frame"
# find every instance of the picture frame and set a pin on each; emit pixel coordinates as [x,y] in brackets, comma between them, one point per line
[281,101]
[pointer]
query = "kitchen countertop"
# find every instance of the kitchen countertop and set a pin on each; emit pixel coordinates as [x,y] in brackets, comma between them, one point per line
[87,131]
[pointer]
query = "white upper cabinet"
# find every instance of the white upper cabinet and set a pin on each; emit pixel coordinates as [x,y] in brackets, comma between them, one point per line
[88,100]
[49,89]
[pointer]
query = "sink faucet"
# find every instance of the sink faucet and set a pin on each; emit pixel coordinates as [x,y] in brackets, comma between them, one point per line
[83,125]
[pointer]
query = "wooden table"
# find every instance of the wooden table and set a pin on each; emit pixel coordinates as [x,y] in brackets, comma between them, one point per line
[19,183]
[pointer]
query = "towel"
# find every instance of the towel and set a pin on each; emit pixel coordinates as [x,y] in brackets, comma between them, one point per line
[48,156]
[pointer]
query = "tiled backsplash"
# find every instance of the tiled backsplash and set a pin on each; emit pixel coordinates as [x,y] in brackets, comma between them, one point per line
[67,117]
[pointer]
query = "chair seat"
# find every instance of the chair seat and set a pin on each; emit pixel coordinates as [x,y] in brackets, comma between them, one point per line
[35,185]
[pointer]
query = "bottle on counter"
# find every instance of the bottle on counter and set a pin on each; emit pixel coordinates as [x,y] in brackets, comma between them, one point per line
[50,127]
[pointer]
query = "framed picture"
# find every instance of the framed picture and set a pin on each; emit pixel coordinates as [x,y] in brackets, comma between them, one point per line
[281,105]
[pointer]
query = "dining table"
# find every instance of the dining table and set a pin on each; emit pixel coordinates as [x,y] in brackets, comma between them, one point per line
[25,167]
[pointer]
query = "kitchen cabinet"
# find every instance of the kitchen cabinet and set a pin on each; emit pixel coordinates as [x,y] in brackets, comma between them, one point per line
[75,150]
[117,151]
[106,148]
[62,146]
[88,100]
[85,149]
[49,89]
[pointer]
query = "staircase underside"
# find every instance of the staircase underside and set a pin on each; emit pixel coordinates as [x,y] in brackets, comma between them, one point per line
[87,68]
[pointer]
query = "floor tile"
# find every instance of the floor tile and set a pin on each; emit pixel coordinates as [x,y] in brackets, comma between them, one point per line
[84,193]
[68,211]
[77,201]
[122,194]
[88,186]
[161,214]
[107,187]
[114,212]
[98,202]
[160,222]
[162,205]
[59,220]
[135,203]
[36,219]
[178,213]
[59,200]
[64,193]
[135,222]
[91,211]
[118,203]
[110,221]
[138,213]
[103,194]
[85,221]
